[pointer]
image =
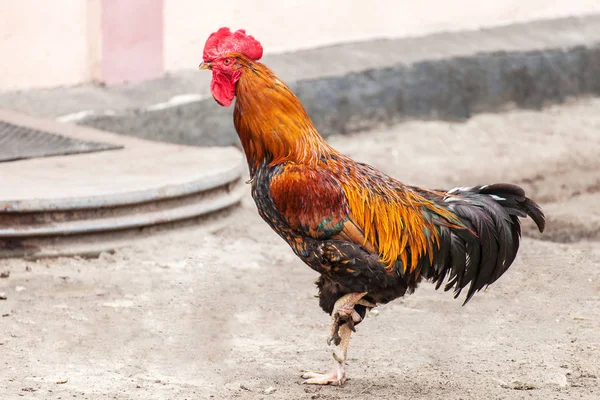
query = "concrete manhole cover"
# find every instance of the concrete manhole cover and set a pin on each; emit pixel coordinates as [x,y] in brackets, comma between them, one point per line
[19,143]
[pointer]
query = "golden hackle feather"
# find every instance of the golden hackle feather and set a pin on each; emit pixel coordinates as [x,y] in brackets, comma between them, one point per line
[271,122]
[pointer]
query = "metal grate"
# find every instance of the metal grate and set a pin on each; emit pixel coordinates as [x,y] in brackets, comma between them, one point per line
[19,143]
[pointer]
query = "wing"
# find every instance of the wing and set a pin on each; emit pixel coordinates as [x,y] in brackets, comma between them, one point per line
[312,202]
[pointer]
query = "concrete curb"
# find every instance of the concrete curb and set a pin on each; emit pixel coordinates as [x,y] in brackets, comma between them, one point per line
[167,192]
[478,72]
[80,203]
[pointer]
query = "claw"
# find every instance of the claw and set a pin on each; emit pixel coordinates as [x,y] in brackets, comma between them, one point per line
[349,320]
[337,358]
[334,336]
[337,377]
[335,339]
[306,374]
[350,323]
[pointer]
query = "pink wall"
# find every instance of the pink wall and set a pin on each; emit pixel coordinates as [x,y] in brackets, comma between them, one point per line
[68,42]
[132,40]
[43,45]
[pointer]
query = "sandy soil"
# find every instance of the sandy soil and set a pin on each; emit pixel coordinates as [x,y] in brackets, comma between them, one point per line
[232,314]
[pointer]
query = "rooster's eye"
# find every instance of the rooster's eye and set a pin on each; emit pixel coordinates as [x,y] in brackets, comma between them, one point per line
[226,61]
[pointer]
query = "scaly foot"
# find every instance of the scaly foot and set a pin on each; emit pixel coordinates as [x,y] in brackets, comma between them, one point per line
[344,312]
[336,377]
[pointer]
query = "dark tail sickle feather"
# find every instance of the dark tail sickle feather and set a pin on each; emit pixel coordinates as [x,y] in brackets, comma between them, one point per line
[478,254]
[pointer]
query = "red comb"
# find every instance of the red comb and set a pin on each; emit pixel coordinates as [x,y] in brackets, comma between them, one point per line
[224,41]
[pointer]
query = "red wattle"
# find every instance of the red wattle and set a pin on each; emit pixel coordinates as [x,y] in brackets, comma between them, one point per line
[222,89]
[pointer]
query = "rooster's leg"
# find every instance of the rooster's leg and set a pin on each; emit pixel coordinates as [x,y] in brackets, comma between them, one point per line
[344,316]
[338,375]
[343,311]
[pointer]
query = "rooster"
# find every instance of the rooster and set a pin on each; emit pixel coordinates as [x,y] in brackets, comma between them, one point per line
[371,238]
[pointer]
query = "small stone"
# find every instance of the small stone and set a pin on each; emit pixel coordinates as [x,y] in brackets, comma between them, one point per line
[269,390]
[3,296]
[20,288]
[119,304]
[558,379]
[4,274]
[62,382]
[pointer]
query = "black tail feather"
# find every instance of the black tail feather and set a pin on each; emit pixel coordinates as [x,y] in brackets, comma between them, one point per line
[516,200]
[478,253]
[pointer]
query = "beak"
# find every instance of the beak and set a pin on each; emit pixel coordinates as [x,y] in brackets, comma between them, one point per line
[205,65]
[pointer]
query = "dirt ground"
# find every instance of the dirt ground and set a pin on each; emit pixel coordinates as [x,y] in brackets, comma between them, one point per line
[232,314]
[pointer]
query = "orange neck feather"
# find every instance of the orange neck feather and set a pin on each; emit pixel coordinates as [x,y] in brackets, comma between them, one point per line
[272,124]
